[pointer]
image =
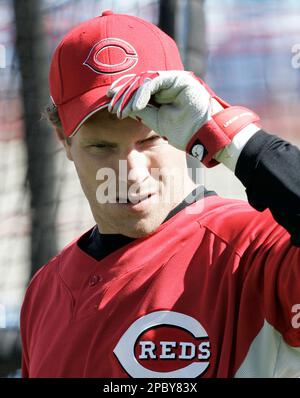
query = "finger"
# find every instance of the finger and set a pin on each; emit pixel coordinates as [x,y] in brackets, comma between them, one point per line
[125,97]
[145,92]
[130,92]
[119,92]
[123,94]
[128,108]
[116,101]
[131,100]
[142,96]
[134,86]
[118,83]
[161,89]
[114,109]
[149,117]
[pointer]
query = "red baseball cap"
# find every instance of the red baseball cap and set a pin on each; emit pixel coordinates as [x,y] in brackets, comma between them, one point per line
[97,52]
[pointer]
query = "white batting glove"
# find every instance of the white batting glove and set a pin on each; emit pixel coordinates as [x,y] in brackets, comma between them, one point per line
[185,104]
[181,107]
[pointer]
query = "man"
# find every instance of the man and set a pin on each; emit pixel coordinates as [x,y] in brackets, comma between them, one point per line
[173,281]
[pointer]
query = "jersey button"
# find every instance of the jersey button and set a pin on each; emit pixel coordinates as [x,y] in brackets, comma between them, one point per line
[94,280]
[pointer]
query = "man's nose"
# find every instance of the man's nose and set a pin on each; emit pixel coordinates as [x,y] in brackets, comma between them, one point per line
[138,166]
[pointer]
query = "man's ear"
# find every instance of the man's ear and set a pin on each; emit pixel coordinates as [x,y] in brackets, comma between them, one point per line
[65,141]
[67,146]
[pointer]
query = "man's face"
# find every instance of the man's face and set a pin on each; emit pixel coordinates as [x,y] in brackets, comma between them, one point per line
[130,175]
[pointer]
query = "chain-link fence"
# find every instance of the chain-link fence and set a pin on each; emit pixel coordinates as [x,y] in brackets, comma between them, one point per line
[68,211]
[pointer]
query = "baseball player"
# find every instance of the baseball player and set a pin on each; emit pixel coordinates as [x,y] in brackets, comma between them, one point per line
[173,280]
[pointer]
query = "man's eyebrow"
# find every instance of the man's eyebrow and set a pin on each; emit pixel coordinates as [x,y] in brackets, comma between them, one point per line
[96,141]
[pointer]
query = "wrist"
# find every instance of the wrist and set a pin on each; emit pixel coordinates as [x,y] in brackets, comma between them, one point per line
[218,133]
[229,155]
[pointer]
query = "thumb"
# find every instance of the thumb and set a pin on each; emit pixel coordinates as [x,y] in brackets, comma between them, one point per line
[148,116]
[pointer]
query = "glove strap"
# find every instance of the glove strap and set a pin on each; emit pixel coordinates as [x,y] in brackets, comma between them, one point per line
[218,132]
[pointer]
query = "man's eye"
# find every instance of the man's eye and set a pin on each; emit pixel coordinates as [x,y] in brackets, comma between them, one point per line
[101,146]
[153,138]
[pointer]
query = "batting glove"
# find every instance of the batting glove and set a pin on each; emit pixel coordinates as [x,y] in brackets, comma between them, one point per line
[181,107]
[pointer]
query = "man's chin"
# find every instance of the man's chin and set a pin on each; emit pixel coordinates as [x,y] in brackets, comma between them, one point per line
[132,224]
[141,228]
[140,232]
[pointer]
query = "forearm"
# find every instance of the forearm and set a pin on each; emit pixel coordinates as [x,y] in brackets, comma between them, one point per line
[269,168]
[193,118]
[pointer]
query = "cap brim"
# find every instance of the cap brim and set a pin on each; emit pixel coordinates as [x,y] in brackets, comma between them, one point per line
[76,111]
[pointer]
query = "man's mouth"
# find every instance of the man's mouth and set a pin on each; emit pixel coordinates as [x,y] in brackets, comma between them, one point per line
[134,199]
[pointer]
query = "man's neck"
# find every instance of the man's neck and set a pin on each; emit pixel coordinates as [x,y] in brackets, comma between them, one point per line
[99,245]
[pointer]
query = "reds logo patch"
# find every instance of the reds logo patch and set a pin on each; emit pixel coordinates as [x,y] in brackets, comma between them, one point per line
[164,344]
[123,55]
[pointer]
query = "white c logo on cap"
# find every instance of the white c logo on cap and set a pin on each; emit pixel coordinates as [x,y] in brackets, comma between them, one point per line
[124,350]
[128,53]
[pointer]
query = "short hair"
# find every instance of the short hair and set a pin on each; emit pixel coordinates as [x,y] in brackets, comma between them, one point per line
[51,114]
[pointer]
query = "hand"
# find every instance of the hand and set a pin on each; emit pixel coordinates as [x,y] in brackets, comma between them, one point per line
[182,103]
[180,107]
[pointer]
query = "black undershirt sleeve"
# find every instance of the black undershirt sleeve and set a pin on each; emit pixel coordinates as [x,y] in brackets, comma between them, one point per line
[269,168]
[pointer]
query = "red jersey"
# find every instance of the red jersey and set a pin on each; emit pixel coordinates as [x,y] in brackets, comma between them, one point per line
[213,292]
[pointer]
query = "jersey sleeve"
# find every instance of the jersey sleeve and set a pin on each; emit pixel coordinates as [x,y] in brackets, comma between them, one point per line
[282,291]
[25,328]
[25,368]
[269,305]
[26,321]
[24,337]
[269,168]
